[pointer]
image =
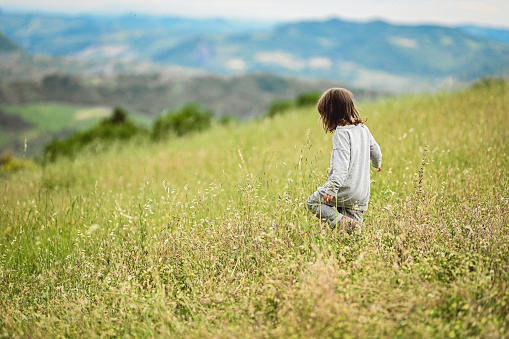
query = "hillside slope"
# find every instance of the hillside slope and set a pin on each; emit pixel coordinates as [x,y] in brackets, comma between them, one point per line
[7,45]
[208,236]
[59,98]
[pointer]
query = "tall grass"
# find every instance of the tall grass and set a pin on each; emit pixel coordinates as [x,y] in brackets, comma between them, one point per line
[208,235]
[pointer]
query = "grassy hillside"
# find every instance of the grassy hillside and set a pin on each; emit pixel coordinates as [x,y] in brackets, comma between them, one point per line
[38,123]
[209,235]
[57,104]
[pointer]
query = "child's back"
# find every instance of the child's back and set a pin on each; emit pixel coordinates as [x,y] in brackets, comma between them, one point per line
[353,148]
[349,175]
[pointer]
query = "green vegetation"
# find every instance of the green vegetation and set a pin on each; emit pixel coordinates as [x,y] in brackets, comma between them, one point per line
[190,118]
[50,117]
[119,127]
[308,98]
[279,107]
[227,120]
[305,99]
[115,128]
[38,123]
[208,235]
[9,163]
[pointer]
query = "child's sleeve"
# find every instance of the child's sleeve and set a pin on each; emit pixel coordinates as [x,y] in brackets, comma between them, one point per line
[375,154]
[340,162]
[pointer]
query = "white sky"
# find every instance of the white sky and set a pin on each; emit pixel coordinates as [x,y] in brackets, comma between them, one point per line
[446,12]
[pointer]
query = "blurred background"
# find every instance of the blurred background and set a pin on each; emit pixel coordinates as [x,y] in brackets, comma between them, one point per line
[65,65]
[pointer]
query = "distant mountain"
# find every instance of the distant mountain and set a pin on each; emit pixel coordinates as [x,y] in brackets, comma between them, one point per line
[131,36]
[497,34]
[373,55]
[349,51]
[7,45]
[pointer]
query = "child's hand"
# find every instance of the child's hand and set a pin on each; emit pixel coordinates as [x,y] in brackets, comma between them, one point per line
[328,198]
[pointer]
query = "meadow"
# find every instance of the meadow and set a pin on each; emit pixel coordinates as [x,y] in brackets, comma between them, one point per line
[208,235]
[43,121]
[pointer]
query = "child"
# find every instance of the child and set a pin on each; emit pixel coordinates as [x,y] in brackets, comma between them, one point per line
[353,148]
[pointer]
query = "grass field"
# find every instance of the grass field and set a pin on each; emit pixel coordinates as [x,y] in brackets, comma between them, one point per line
[208,235]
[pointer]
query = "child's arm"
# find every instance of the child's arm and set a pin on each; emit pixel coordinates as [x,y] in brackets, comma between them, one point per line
[375,154]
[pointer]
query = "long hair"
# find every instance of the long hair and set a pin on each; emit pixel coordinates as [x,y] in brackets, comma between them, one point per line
[336,108]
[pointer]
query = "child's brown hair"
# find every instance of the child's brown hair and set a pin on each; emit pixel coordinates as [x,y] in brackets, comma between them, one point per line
[336,108]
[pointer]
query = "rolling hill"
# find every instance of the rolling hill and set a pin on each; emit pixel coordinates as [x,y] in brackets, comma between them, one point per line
[242,96]
[7,45]
[497,34]
[373,54]
[349,51]
[128,36]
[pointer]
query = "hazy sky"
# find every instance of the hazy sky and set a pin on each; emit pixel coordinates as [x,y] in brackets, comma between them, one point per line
[448,12]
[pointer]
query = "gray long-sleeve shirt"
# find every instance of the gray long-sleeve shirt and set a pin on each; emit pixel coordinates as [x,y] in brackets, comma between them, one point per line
[353,148]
